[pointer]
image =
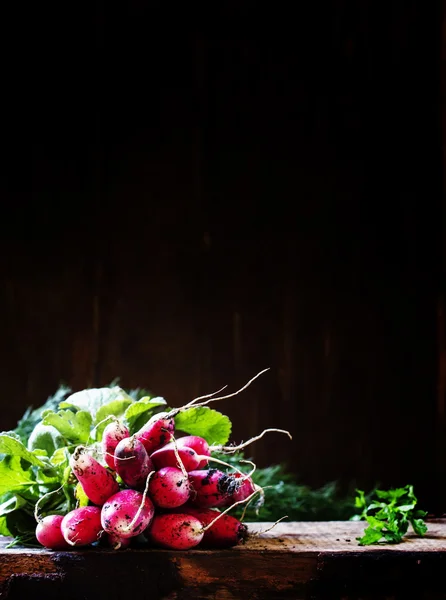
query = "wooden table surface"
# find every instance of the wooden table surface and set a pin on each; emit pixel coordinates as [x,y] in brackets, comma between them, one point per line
[293,561]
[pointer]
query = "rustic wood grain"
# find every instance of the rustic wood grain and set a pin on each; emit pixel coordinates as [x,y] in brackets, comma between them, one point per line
[294,560]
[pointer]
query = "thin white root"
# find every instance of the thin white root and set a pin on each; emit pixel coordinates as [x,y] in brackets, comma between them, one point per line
[244,511]
[221,462]
[257,533]
[230,508]
[73,541]
[37,517]
[261,500]
[232,449]
[192,402]
[234,393]
[175,411]
[178,457]
[144,496]
[251,473]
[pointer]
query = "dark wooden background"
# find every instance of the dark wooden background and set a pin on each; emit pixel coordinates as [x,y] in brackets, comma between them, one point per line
[182,211]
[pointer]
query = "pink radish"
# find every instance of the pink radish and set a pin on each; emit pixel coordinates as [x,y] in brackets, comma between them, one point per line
[97,483]
[169,488]
[49,533]
[166,457]
[198,444]
[224,533]
[175,531]
[247,487]
[211,488]
[126,514]
[116,542]
[132,462]
[156,432]
[82,526]
[113,434]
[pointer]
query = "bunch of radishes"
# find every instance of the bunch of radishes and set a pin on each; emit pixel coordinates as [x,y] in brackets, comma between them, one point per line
[155,485]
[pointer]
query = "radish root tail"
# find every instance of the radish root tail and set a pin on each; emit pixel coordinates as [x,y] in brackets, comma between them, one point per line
[144,496]
[232,449]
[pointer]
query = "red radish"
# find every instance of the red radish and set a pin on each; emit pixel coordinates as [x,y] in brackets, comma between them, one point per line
[127,514]
[198,444]
[49,533]
[166,457]
[175,531]
[97,483]
[157,432]
[82,526]
[169,488]
[116,542]
[224,533]
[113,434]
[211,487]
[132,462]
[247,487]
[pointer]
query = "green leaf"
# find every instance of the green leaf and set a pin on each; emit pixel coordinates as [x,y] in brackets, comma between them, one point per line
[138,413]
[391,494]
[91,400]
[45,437]
[80,495]
[371,536]
[4,526]
[360,501]
[11,446]
[419,526]
[60,458]
[375,523]
[205,422]
[12,475]
[15,502]
[115,407]
[391,516]
[75,427]
[405,507]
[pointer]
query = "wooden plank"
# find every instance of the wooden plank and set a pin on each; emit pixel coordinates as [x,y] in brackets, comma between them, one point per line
[295,560]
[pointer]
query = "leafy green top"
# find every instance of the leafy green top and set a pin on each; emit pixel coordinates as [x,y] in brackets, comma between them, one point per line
[389,515]
[34,459]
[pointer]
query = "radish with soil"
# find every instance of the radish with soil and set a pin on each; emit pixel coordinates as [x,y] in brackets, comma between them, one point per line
[132,462]
[169,488]
[82,526]
[127,513]
[97,483]
[211,488]
[157,432]
[224,533]
[112,435]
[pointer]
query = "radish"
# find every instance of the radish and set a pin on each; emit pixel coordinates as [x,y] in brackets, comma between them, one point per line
[211,487]
[132,462]
[49,533]
[167,457]
[169,488]
[116,542]
[113,434]
[175,531]
[156,432]
[198,444]
[246,488]
[224,533]
[82,526]
[97,483]
[127,514]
